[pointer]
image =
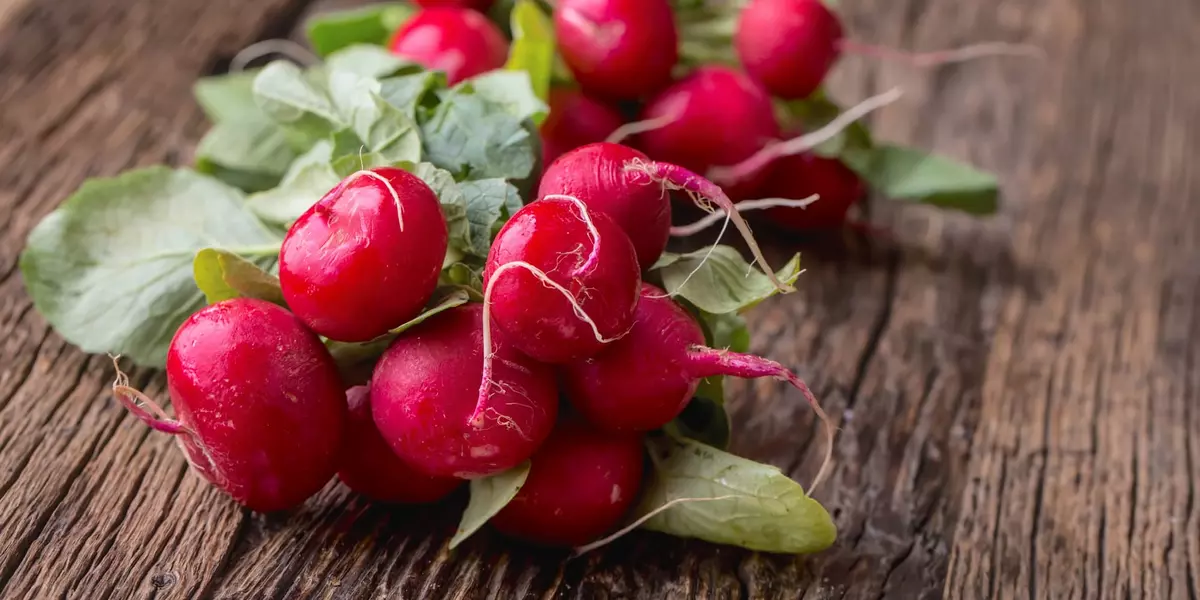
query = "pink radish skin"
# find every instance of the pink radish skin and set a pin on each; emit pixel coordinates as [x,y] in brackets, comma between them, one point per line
[369,467]
[642,381]
[259,405]
[581,250]
[457,41]
[802,175]
[479,5]
[575,120]
[427,402]
[366,257]
[618,49]
[596,175]
[788,45]
[721,117]
[581,483]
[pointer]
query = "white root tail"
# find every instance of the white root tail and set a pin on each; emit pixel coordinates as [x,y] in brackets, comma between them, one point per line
[293,51]
[387,184]
[631,129]
[708,220]
[805,142]
[638,523]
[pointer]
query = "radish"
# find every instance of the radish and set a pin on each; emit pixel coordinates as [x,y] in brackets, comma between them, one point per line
[619,49]
[369,467]
[366,257]
[802,175]
[259,406]
[479,5]
[431,405]
[788,45]
[722,117]
[457,41]
[595,174]
[642,381]
[622,183]
[575,120]
[580,485]
[561,281]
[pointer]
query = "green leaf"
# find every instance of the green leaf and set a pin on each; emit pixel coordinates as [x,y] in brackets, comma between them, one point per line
[488,496]
[228,97]
[487,201]
[454,203]
[911,174]
[724,283]
[769,513]
[726,330]
[366,60]
[222,275]
[475,138]
[532,50]
[111,269]
[461,276]
[298,102]
[349,354]
[247,181]
[308,179]
[383,129]
[372,24]
[511,91]
[407,92]
[704,419]
[259,149]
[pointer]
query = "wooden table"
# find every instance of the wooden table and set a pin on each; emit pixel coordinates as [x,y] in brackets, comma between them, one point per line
[1017,397]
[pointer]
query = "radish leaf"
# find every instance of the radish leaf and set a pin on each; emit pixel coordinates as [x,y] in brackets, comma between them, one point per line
[223,275]
[532,47]
[720,282]
[111,269]
[373,24]
[911,174]
[489,495]
[768,512]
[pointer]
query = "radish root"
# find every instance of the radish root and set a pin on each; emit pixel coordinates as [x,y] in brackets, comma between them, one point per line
[631,129]
[803,143]
[387,184]
[706,193]
[581,550]
[489,352]
[708,220]
[150,413]
[945,57]
[593,233]
[287,48]
[706,362]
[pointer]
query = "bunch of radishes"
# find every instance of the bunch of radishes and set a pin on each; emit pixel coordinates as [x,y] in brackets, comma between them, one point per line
[467,393]
[367,212]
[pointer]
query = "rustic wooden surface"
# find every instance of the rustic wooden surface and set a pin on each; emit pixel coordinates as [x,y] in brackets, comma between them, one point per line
[1017,397]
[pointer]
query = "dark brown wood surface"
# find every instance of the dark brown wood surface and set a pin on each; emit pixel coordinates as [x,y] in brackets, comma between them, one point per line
[1017,397]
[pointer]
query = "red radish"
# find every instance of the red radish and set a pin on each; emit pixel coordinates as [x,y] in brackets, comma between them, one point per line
[619,49]
[479,5]
[595,174]
[259,405]
[802,175]
[721,117]
[581,483]
[430,407]
[366,257]
[644,380]
[561,281]
[369,467]
[788,45]
[458,41]
[575,120]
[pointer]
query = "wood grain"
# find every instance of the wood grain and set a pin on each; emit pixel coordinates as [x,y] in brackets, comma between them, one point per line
[1017,396]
